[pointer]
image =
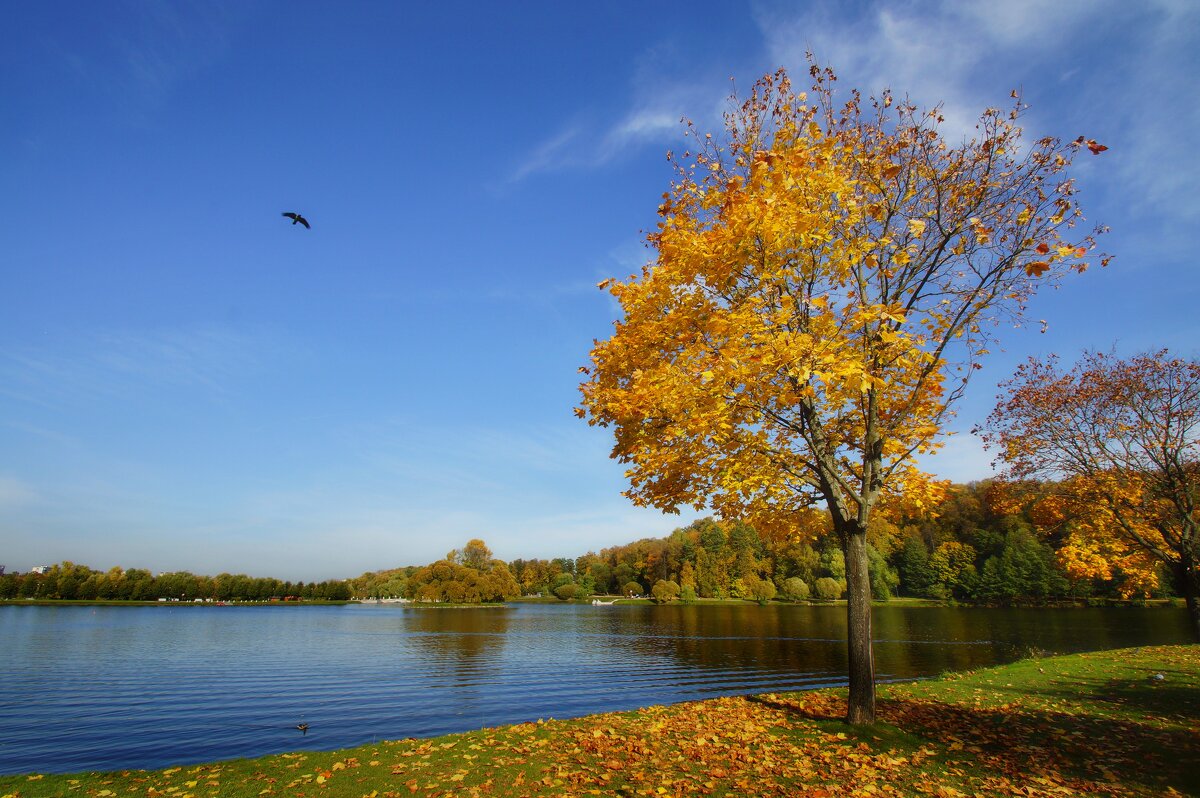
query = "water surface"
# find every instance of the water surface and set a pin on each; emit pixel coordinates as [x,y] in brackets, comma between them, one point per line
[104,688]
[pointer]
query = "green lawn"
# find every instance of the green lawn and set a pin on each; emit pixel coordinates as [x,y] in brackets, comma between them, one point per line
[1100,723]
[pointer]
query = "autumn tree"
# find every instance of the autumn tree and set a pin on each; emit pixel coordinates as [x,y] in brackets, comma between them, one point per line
[665,591]
[475,554]
[826,276]
[953,567]
[1120,438]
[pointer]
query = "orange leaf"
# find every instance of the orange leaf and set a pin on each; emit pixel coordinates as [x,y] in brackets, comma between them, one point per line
[1095,147]
[1037,268]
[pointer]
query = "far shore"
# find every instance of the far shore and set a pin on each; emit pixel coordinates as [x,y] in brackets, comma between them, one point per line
[898,601]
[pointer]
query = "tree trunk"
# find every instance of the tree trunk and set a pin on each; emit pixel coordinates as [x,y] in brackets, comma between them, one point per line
[858,615]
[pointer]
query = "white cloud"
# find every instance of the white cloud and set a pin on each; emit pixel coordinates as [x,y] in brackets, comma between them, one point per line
[1121,72]
[578,147]
[659,123]
[664,88]
[551,154]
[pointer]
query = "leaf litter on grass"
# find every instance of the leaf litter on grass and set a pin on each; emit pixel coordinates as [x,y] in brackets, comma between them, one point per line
[1083,724]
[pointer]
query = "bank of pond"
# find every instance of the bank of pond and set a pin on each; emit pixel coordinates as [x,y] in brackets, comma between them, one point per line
[593,600]
[106,687]
[1118,722]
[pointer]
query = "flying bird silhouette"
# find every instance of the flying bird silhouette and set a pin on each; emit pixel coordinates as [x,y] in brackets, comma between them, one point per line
[297,218]
[303,727]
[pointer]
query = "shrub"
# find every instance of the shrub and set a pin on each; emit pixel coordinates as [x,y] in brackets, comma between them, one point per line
[665,591]
[632,589]
[828,589]
[567,592]
[758,589]
[795,589]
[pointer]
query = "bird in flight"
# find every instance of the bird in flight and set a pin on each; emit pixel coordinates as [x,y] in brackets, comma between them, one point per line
[297,218]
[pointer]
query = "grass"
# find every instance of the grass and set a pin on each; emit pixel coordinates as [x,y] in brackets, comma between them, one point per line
[1099,723]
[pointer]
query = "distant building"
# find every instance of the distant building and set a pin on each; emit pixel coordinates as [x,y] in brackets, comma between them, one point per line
[40,569]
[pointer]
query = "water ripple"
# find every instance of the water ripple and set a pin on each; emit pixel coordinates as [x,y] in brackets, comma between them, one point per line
[145,687]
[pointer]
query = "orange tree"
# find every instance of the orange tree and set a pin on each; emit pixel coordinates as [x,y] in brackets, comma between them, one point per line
[1120,442]
[827,275]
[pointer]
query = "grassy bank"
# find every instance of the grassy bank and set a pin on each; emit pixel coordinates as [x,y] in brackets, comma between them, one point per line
[1101,723]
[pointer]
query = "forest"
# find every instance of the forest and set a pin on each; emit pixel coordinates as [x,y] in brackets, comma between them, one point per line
[70,582]
[977,545]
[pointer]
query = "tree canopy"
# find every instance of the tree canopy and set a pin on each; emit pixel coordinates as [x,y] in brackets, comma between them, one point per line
[826,278]
[1120,438]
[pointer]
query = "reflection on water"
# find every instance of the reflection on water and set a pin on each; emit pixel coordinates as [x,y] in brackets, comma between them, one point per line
[138,687]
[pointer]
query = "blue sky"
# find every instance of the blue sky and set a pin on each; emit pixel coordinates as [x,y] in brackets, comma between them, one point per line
[189,382]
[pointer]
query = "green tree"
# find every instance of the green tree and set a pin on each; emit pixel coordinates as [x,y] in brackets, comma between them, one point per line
[953,566]
[794,589]
[757,589]
[1024,569]
[916,577]
[665,591]
[567,591]
[829,589]
[883,579]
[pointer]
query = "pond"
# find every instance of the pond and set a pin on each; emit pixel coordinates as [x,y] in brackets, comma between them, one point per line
[105,688]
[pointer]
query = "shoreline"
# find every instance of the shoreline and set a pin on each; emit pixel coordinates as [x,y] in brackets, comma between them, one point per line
[902,601]
[1117,722]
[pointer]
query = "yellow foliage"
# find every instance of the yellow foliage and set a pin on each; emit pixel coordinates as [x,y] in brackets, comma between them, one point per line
[806,323]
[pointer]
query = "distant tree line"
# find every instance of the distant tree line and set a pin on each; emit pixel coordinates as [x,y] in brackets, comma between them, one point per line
[978,545]
[464,576]
[68,581]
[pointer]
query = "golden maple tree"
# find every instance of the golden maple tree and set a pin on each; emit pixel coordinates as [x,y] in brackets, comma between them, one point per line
[1114,445]
[827,276]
